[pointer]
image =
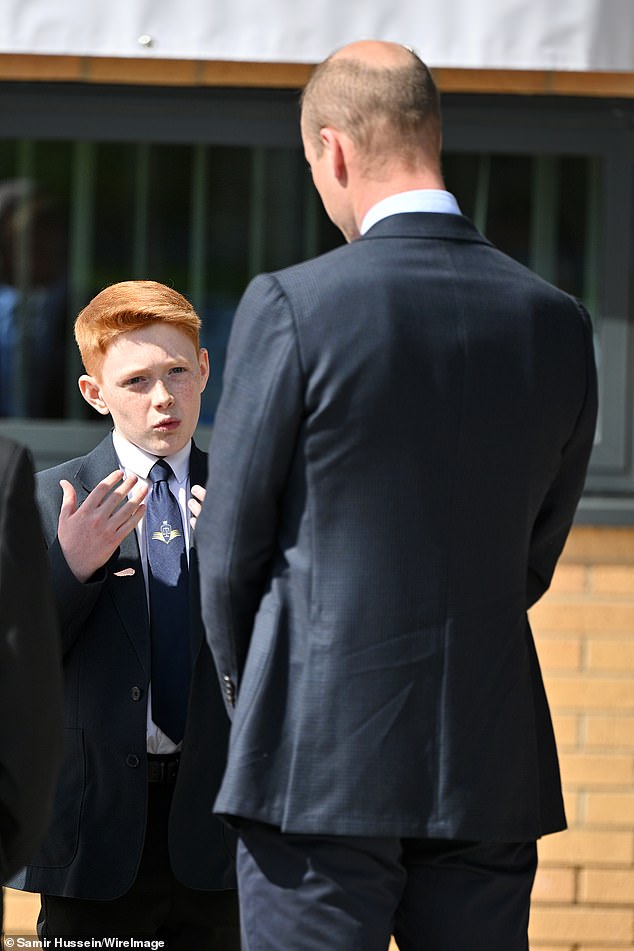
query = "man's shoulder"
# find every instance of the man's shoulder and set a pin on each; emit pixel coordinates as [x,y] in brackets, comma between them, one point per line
[306,277]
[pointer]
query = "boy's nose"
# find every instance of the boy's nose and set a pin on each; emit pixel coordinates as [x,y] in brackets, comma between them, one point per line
[162,396]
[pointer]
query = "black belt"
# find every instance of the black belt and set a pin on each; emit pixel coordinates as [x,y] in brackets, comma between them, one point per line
[162,769]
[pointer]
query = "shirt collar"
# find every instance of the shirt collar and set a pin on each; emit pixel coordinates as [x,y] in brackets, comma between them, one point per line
[419,199]
[137,460]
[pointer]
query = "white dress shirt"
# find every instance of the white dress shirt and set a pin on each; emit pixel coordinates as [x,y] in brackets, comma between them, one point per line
[135,461]
[419,199]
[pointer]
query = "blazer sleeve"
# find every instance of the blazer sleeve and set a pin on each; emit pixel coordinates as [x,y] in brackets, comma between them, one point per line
[559,505]
[30,672]
[74,599]
[253,443]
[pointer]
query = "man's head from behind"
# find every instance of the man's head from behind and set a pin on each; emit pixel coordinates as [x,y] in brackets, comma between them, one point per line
[139,341]
[383,98]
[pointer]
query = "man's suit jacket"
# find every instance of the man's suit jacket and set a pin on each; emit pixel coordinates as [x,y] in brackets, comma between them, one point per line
[401,444]
[30,668]
[94,842]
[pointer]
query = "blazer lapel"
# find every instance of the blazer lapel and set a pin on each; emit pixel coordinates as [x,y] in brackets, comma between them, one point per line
[124,572]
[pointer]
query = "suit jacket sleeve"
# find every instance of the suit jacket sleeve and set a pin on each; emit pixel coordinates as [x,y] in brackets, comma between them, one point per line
[251,450]
[30,672]
[559,505]
[75,599]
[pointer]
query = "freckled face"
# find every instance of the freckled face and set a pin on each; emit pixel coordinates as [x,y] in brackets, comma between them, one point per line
[151,381]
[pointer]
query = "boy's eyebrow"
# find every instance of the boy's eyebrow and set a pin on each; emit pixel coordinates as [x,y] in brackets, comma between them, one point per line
[132,371]
[140,370]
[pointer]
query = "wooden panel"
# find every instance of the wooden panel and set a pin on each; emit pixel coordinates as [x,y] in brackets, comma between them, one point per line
[40,68]
[151,70]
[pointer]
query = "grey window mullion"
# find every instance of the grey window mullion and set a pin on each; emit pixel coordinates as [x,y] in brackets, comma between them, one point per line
[544,225]
[613,449]
[198,227]
[25,169]
[311,220]
[592,260]
[592,269]
[82,214]
[141,232]
[481,204]
[257,218]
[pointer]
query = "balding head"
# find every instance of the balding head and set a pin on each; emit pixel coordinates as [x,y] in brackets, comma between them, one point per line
[383,97]
[375,53]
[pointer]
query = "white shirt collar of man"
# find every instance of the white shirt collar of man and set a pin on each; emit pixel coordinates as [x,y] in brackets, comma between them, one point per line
[420,199]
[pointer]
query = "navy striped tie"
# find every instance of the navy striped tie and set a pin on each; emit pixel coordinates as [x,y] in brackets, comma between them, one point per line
[168,583]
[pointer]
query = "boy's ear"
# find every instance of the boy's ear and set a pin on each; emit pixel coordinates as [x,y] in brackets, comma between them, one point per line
[203,364]
[91,391]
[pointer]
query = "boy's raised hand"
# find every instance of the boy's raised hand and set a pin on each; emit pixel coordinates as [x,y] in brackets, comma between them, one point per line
[89,534]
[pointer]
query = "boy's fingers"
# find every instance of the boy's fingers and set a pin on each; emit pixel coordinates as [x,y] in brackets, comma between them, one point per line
[69,499]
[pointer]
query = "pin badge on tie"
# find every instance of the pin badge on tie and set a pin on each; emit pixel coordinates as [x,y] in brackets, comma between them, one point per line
[166,533]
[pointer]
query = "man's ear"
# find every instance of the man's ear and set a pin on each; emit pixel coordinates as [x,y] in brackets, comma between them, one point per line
[336,147]
[91,391]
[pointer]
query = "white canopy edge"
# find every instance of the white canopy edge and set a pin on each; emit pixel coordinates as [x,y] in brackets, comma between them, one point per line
[580,35]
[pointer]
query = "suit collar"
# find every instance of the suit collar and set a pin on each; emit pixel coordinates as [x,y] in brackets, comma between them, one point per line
[426,224]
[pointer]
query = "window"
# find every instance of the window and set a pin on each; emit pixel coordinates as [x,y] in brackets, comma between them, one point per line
[203,188]
[550,182]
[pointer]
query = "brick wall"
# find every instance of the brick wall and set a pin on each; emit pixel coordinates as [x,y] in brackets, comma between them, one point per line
[584,629]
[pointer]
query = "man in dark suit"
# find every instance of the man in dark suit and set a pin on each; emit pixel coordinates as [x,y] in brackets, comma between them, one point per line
[401,443]
[30,668]
[133,848]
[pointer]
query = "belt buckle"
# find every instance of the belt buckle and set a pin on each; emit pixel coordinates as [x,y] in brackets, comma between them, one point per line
[163,770]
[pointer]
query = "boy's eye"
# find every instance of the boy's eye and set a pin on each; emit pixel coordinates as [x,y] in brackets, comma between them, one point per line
[178,370]
[134,379]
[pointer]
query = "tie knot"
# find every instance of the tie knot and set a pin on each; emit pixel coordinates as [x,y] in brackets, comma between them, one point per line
[160,471]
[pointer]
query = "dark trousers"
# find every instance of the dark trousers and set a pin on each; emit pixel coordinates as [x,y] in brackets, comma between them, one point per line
[309,893]
[157,905]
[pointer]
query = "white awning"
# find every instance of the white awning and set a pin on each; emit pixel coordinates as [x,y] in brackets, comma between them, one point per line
[481,34]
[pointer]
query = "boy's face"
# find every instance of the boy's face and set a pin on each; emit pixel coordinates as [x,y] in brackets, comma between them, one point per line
[150,382]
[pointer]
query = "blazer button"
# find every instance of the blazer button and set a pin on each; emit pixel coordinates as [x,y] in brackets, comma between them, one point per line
[136,693]
[230,689]
[132,760]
